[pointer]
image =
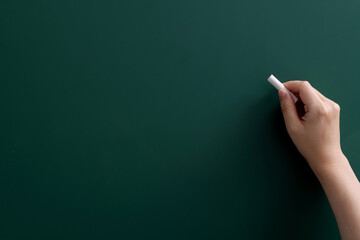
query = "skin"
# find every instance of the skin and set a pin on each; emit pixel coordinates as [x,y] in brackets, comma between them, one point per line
[316,135]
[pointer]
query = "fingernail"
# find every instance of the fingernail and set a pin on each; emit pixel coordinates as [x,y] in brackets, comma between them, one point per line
[282,93]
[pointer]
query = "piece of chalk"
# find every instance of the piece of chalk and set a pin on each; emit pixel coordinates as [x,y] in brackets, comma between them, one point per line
[278,85]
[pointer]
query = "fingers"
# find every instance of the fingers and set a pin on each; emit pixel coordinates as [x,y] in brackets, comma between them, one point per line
[320,95]
[288,108]
[307,93]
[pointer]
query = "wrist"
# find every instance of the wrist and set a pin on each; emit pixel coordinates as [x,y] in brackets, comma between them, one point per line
[330,165]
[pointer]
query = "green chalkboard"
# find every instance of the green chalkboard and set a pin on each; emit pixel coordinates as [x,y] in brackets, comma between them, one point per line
[154,119]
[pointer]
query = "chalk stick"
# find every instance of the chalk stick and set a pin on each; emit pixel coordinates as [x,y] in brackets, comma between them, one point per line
[278,85]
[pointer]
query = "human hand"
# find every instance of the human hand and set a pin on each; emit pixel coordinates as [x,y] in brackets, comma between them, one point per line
[312,123]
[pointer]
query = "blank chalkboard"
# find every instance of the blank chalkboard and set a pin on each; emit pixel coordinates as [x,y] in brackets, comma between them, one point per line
[154,119]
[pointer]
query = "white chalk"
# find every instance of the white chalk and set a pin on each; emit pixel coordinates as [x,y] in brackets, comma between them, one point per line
[278,85]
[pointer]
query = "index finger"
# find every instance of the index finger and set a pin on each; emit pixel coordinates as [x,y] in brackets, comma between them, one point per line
[306,92]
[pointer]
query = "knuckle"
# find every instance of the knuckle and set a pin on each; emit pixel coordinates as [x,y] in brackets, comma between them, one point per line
[336,107]
[306,84]
[328,110]
[323,111]
[333,108]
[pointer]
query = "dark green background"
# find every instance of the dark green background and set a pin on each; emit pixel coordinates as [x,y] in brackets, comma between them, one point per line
[154,119]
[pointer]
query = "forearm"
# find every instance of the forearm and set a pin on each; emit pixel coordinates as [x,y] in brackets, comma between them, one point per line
[343,191]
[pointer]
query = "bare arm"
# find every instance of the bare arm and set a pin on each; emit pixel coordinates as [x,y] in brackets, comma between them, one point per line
[315,132]
[343,191]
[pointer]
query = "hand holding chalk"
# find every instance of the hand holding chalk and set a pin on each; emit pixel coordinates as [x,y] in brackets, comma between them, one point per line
[278,85]
[315,134]
[317,137]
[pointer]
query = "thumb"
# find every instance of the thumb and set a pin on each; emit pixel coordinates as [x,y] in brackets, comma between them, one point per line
[288,109]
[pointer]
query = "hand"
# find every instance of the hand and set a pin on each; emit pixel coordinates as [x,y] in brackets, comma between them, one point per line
[313,124]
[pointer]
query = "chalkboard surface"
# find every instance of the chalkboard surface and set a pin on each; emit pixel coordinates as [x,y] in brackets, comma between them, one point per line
[154,119]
